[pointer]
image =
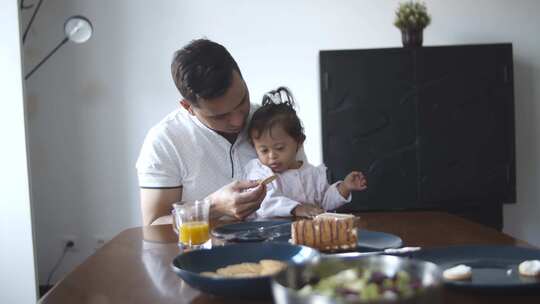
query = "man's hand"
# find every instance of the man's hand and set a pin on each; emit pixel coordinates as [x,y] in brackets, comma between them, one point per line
[307,210]
[354,181]
[234,200]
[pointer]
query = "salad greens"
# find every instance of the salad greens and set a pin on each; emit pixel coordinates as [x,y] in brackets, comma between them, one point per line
[364,285]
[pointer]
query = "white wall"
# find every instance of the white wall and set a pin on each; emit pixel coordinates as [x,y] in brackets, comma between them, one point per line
[17,262]
[91,105]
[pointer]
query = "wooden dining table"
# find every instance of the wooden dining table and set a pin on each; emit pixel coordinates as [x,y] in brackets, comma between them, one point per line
[135,266]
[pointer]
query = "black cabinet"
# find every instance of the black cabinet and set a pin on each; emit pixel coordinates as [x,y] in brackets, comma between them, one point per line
[431,127]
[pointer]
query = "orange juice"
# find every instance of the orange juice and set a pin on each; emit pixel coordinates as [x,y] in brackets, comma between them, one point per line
[193,233]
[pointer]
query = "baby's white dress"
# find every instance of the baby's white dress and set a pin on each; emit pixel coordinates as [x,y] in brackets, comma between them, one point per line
[305,185]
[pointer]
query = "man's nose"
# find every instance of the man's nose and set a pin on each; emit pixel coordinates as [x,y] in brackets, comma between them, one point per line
[273,155]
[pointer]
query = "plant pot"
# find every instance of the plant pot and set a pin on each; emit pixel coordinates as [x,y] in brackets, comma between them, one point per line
[412,37]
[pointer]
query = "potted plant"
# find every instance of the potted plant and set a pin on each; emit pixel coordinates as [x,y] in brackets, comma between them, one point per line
[411,19]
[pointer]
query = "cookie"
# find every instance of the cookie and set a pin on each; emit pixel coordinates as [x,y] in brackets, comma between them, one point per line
[210,274]
[247,270]
[268,180]
[530,268]
[270,267]
[458,273]
[242,269]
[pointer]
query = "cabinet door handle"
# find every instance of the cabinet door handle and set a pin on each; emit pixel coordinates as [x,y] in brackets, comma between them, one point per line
[326,80]
[506,77]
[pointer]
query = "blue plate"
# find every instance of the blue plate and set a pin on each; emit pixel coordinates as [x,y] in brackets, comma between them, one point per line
[189,265]
[368,240]
[493,267]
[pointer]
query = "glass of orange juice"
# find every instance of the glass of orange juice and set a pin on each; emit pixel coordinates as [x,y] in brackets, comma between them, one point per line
[191,220]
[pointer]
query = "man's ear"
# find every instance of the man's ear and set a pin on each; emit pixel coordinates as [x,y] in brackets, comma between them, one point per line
[300,144]
[186,105]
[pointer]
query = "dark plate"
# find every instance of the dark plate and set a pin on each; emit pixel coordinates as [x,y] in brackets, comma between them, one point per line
[368,240]
[493,267]
[375,240]
[234,232]
[189,265]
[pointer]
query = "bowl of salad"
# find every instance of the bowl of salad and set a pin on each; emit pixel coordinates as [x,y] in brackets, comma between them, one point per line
[373,279]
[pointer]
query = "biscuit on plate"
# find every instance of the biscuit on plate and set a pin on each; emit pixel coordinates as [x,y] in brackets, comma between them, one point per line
[270,267]
[530,268]
[242,269]
[458,273]
[210,274]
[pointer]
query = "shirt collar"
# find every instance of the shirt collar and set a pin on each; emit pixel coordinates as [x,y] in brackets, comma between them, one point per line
[242,136]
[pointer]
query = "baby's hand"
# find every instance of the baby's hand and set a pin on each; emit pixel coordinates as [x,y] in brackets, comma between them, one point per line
[355,181]
[307,210]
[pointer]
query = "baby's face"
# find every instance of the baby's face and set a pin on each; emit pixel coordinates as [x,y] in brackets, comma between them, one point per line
[276,149]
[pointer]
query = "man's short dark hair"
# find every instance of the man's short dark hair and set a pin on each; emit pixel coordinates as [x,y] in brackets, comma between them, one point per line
[203,69]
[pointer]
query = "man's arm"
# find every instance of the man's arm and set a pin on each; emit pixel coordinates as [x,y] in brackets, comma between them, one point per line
[232,199]
[156,205]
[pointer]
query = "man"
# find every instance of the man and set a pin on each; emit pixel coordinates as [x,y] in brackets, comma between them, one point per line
[196,150]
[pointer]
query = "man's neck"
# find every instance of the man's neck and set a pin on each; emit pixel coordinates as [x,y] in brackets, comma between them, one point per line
[230,137]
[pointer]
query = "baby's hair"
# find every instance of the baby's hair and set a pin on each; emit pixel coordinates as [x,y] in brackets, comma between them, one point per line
[277,109]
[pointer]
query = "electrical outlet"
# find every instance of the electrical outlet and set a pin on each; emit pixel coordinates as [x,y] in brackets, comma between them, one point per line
[70,238]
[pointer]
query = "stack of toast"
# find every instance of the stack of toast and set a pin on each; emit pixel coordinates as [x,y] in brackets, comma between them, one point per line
[327,232]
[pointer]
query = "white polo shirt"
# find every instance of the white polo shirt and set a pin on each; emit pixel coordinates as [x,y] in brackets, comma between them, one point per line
[182,151]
